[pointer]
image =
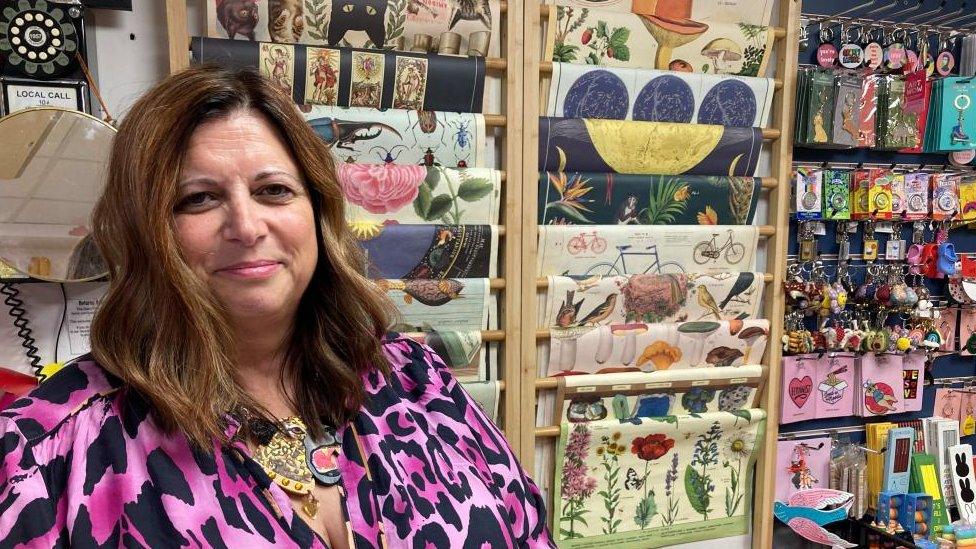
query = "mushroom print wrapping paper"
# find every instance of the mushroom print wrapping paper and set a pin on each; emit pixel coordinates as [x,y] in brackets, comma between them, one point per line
[599,301]
[349,77]
[402,137]
[462,351]
[659,37]
[631,147]
[756,12]
[577,198]
[604,250]
[643,347]
[582,91]
[432,251]
[356,23]
[378,194]
[442,304]
[657,482]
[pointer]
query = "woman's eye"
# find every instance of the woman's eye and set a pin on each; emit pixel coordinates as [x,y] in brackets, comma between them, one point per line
[195,201]
[276,191]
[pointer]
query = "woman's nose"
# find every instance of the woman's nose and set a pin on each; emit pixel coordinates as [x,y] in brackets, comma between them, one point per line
[244,223]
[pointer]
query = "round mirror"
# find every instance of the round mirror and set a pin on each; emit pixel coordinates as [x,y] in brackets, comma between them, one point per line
[53,164]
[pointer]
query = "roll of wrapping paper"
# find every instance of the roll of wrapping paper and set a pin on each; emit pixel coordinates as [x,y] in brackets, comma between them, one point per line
[462,351]
[368,136]
[356,23]
[432,251]
[351,77]
[651,39]
[629,147]
[450,304]
[754,12]
[582,91]
[588,198]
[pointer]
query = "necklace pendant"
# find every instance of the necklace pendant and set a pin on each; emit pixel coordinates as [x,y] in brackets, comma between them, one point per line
[310,506]
[322,458]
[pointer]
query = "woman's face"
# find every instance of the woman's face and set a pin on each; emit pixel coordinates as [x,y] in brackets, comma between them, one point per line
[244,219]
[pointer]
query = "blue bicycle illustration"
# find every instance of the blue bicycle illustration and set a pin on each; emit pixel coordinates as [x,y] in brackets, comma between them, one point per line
[619,265]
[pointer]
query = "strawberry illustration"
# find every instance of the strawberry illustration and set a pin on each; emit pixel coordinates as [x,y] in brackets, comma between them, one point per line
[587,36]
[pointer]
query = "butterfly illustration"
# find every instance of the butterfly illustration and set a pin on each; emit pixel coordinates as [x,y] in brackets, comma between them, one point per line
[633,482]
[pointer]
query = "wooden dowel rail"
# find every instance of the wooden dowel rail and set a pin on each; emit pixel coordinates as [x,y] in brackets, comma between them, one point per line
[543,282]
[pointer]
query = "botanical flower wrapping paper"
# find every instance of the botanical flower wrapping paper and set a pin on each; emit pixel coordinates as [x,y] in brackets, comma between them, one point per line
[663,481]
[603,250]
[463,352]
[585,91]
[596,36]
[600,301]
[588,198]
[378,194]
[404,137]
[356,23]
[757,12]
[654,347]
[442,304]
[431,251]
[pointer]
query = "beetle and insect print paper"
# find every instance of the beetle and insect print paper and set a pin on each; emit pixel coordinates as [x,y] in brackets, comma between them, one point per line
[599,301]
[432,251]
[582,91]
[662,481]
[401,137]
[604,250]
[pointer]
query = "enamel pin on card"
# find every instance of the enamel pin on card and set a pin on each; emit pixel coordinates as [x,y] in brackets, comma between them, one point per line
[963,480]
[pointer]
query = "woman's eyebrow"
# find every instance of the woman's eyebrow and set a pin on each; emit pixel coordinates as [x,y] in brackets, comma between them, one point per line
[195,180]
[271,173]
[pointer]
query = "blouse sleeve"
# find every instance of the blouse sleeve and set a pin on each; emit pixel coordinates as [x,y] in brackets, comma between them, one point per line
[28,512]
[522,497]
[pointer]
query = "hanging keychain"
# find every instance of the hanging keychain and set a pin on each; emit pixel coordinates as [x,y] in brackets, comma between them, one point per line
[895,247]
[894,53]
[945,61]
[851,55]
[911,56]
[925,54]
[826,51]
[870,252]
[808,242]
[873,52]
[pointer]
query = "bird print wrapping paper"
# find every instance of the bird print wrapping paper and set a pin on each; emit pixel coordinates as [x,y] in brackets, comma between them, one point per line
[349,77]
[801,465]
[432,251]
[376,24]
[655,482]
[600,301]
[577,198]
[583,91]
[606,250]
[756,12]
[402,137]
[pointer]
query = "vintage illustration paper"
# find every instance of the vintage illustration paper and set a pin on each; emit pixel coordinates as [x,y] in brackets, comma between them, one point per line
[446,304]
[655,38]
[486,394]
[801,465]
[659,249]
[584,91]
[431,251]
[577,198]
[658,482]
[355,23]
[651,347]
[628,146]
[757,12]
[599,301]
[463,351]
[378,194]
[428,138]
[365,78]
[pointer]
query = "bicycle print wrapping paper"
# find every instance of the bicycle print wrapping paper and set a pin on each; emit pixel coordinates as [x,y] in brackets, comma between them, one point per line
[462,351]
[402,137]
[577,198]
[648,40]
[582,91]
[662,346]
[756,12]
[349,77]
[631,147]
[357,23]
[432,251]
[378,194]
[427,305]
[621,250]
[599,301]
[663,481]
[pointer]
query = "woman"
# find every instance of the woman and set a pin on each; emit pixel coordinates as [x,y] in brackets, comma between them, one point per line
[241,391]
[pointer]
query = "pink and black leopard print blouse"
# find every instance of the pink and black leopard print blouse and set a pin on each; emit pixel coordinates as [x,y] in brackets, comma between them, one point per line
[82,464]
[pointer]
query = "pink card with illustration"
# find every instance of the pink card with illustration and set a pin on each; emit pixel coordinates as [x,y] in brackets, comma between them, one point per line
[880,385]
[913,374]
[836,386]
[946,324]
[801,465]
[947,403]
[967,330]
[799,373]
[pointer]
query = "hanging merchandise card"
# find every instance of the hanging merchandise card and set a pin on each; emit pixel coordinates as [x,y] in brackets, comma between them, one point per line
[836,386]
[648,40]
[756,12]
[945,195]
[847,112]
[583,91]
[917,93]
[897,127]
[913,377]
[947,403]
[801,465]
[373,24]
[881,382]
[868,110]
[967,332]
[819,112]
[378,194]
[586,198]
[600,301]
[442,304]
[624,146]
[799,404]
[837,194]
[661,346]
[663,481]
[957,123]
[463,352]
[916,204]
[432,251]
[358,78]
[963,481]
[946,326]
[369,136]
[618,250]
[967,197]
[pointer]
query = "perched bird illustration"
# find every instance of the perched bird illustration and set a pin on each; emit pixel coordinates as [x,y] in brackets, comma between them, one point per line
[471,10]
[805,513]
[600,312]
[743,283]
[566,315]
[706,300]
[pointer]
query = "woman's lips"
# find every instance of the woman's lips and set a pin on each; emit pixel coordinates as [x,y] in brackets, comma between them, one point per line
[251,271]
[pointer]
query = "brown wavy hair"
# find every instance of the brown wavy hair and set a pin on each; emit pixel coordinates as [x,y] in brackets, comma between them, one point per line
[160,328]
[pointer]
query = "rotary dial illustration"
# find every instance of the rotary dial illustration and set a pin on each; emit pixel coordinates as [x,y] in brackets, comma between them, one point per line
[39,39]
